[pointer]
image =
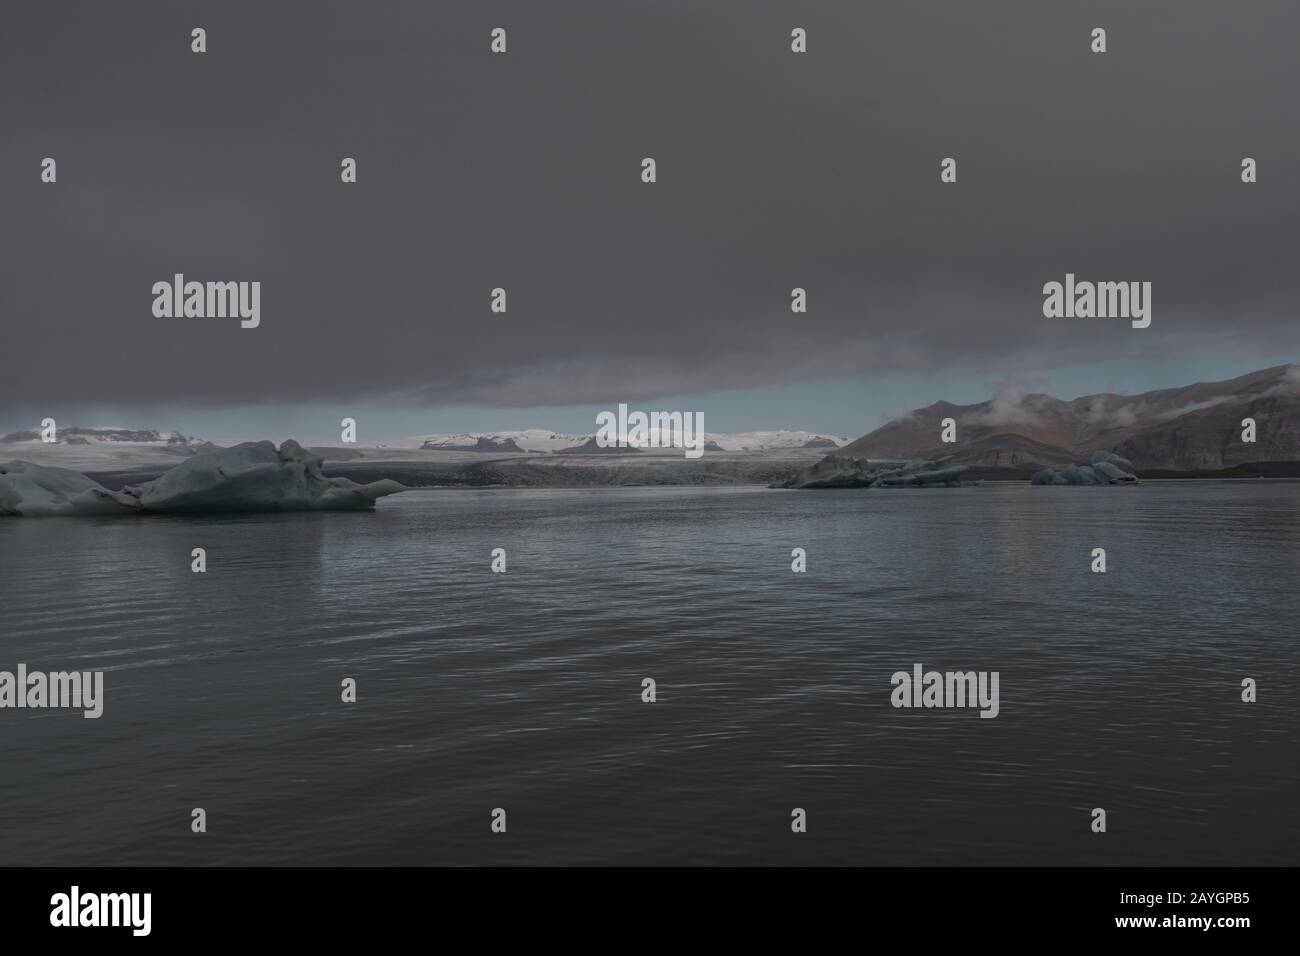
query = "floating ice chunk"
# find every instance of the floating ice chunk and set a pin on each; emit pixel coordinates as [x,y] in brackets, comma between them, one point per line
[1113,472]
[1048,477]
[837,471]
[256,476]
[27,489]
[1106,469]
[1106,457]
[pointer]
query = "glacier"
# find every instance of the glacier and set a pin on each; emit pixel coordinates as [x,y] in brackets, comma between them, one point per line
[1104,468]
[253,476]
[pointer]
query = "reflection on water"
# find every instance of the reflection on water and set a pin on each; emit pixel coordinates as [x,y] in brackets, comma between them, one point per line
[523,690]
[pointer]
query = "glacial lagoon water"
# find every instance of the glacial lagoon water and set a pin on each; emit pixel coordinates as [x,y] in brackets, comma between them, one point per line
[523,690]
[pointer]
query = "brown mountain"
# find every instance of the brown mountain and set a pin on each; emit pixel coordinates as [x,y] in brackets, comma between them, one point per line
[1197,427]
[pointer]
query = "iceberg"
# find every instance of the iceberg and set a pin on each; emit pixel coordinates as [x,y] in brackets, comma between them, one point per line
[838,471]
[27,489]
[1105,468]
[254,476]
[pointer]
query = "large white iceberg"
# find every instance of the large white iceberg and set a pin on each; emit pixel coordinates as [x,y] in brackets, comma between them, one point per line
[254,476]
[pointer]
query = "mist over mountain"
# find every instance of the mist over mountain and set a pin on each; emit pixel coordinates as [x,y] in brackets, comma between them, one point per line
[1196,427]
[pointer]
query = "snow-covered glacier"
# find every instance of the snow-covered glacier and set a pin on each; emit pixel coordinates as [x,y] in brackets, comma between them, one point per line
[1105,468]
[253,476]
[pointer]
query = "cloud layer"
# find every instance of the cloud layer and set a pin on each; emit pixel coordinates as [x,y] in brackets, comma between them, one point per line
[776,170]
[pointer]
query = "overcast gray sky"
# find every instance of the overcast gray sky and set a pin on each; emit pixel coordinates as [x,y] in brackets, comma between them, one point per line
[523,171]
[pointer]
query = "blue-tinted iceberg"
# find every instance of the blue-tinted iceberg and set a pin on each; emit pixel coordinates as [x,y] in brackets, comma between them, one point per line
[838,471]
[254,476]
[1105,468]
[27,489]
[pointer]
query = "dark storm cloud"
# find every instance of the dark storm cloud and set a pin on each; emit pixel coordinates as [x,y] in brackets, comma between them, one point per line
[775,170]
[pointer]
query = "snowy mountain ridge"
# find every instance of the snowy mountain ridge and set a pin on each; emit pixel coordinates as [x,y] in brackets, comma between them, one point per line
[538,440]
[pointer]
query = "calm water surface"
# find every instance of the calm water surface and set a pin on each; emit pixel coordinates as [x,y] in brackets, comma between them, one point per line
[522,690]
